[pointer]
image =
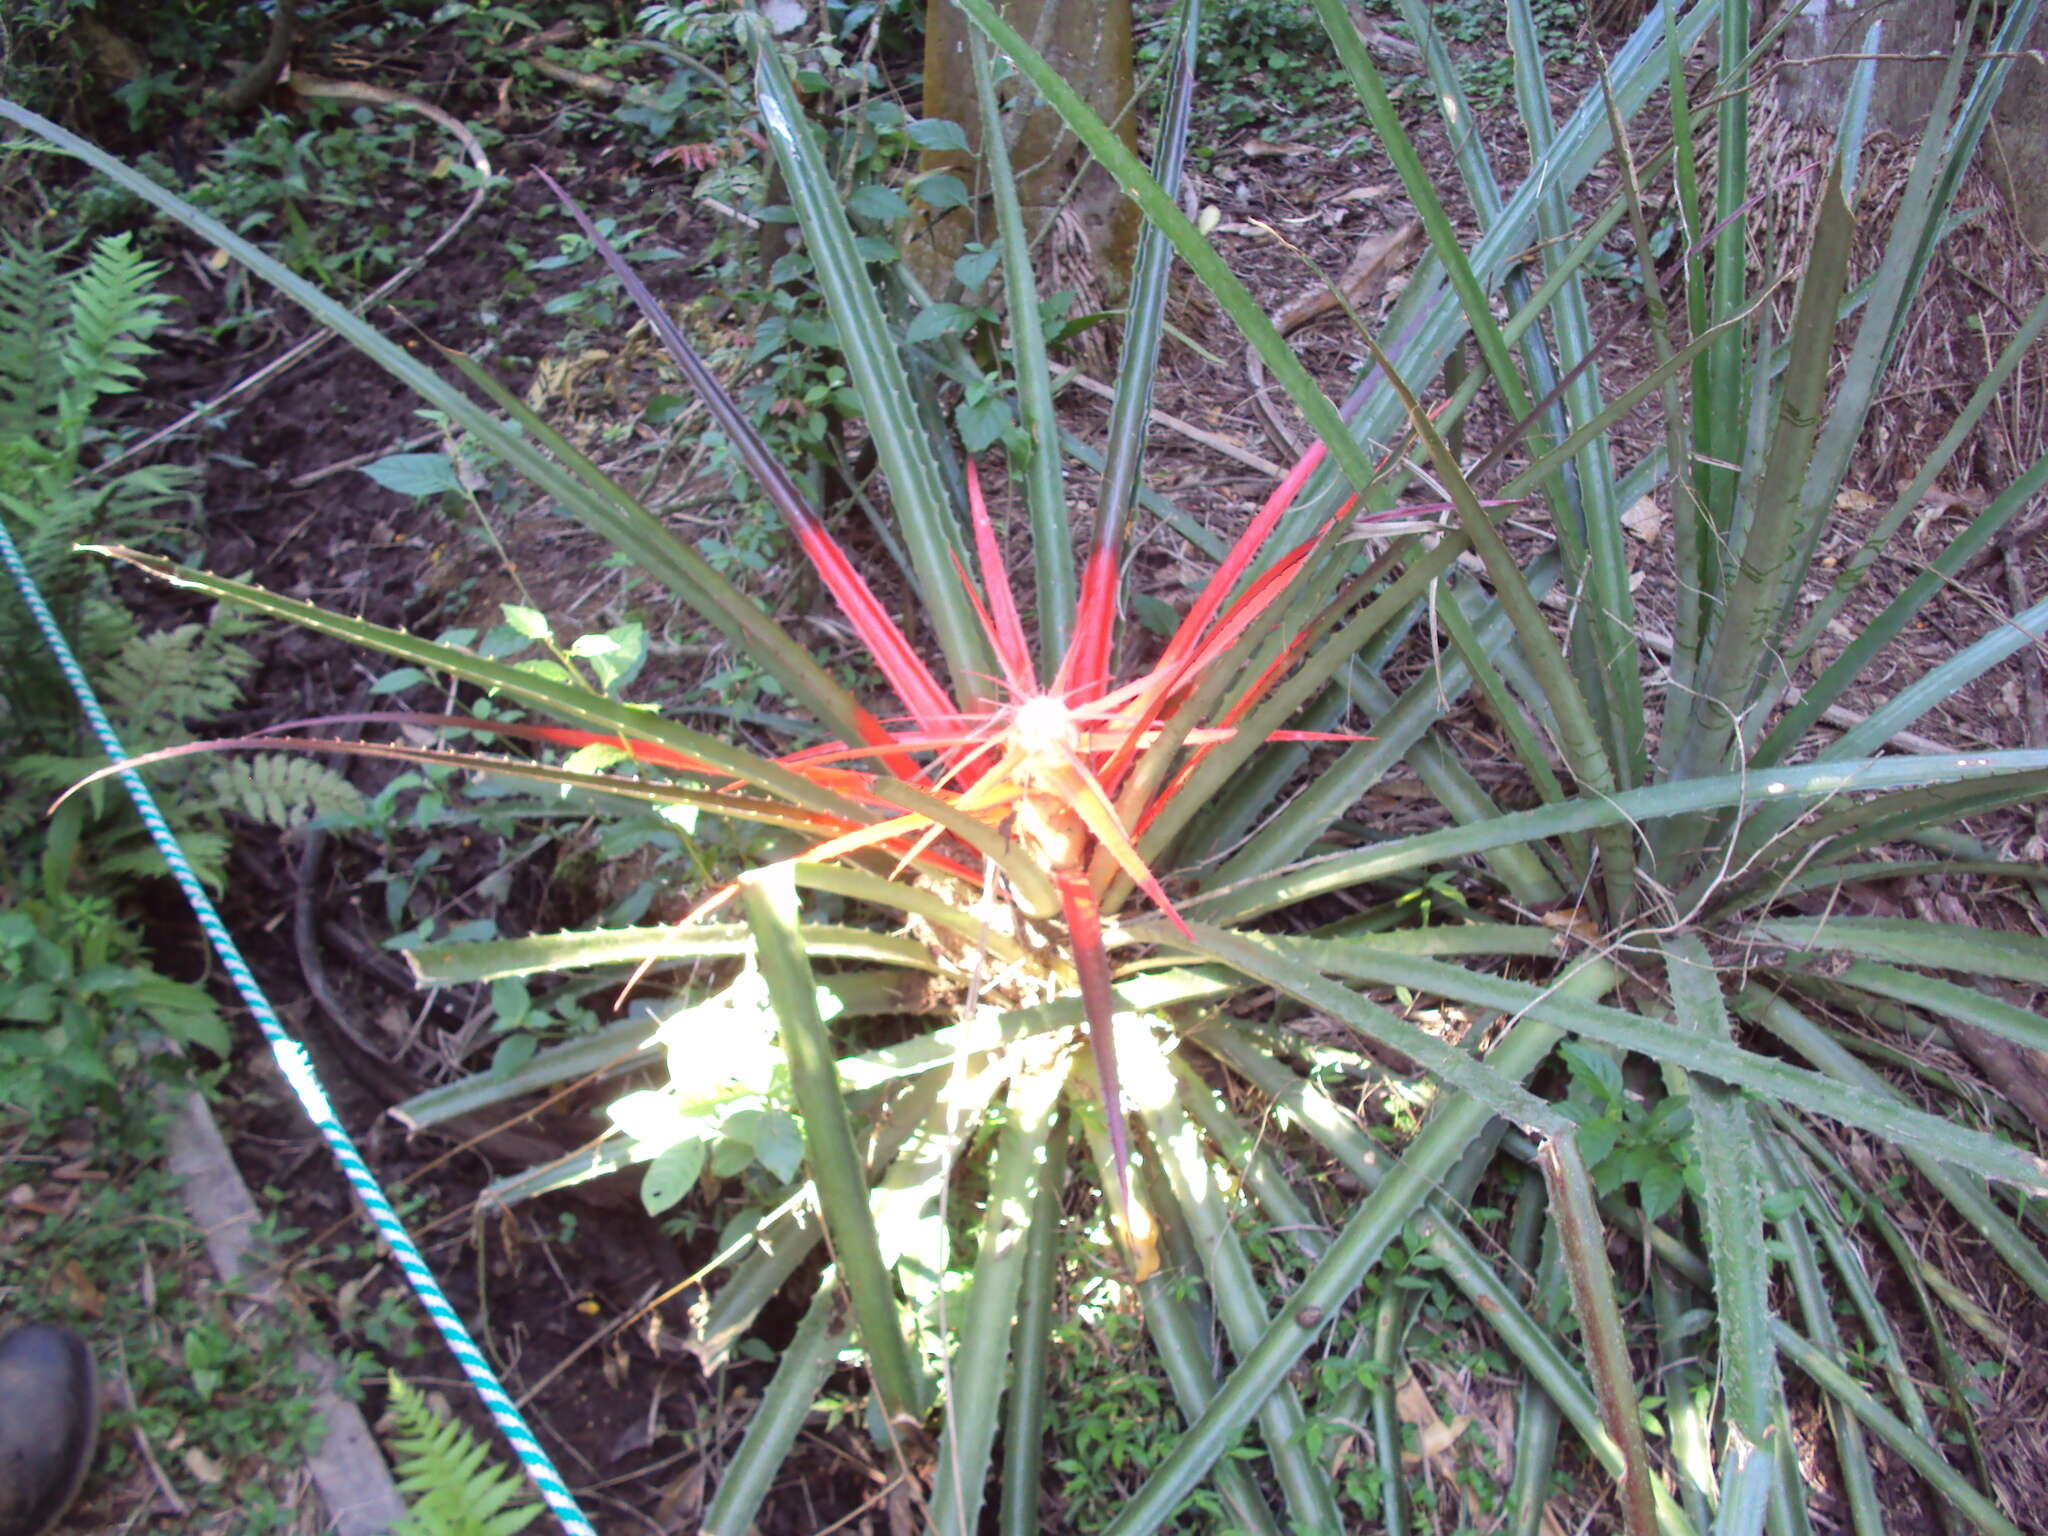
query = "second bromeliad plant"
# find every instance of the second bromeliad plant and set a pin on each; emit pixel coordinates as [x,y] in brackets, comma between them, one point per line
[1145,856]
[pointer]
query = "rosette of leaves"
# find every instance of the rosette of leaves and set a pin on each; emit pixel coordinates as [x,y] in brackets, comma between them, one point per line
[1690,824]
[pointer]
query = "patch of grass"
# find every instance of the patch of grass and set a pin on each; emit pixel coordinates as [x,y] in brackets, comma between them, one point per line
[1267,60]
[1112,1417]
[203,1377]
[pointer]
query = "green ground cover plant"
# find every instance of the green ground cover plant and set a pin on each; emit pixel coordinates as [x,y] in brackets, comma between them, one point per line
[204,1382]
[79,998]
[1034,915]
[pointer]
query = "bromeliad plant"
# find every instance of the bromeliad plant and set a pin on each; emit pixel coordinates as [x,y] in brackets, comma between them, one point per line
[1679,896]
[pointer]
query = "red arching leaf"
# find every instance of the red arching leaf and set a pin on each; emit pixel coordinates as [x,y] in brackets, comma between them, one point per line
[1084,674]
[900,663]
[1256,532]
[1091,968]
[1088,801]
[1007,630]
[906,673]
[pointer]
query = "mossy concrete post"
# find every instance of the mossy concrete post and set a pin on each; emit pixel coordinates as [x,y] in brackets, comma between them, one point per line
[2016,149]
[1089,42]
[1823,48]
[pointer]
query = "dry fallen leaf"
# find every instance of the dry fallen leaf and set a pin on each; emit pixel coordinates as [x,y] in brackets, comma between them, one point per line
[1572,922]
[1645,519]
[1260,149]
[79,1289]
[1432,1434]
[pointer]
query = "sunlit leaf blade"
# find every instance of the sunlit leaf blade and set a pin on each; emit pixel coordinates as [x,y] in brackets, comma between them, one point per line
[1044,486]
[977,1374]
[491,959]
[1254,897]
[917,491]
[560,699]
[829,1147]
[1026,1401]
[805,1364]
[1732,1208]
[1913,941]
[1377,1221]
[630,1044]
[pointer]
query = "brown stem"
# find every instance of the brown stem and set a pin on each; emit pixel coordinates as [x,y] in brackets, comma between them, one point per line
[262,75]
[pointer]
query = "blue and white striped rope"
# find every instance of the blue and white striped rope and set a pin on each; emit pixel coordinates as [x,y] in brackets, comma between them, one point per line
[298,1070]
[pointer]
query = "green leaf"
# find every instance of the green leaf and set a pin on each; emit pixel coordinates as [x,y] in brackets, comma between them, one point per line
[1596,1067]
[529,622]
[942,191]
[939,320]
[415,474]
[830,1148]
[1202,258]
[1660,1188]
[1731,1206]
[1280,963]
[982,422]
[575,483]
[672,1175]
[1818,780]
[937,134]
[1656,1040]
[778,1144]
[1908,941]
[875,201]
[973,268]
[1051,542]
[485,959]
[1372,1226]
[800,1376]
[928,519]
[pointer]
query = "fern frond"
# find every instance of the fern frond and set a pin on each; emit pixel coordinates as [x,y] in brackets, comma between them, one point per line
[113,310]
[49,772]
[282,790]
[206,851]
[32,307]
[133,503]
[446,1472]
[167,682]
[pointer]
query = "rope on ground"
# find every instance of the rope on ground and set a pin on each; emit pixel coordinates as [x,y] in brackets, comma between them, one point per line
[297,1067]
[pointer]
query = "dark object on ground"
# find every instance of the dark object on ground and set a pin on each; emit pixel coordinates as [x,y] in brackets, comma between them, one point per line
[49,1418]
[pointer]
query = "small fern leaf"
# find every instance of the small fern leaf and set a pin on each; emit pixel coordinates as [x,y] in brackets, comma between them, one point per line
[283,790]
[113,313]
[457,1492]
[169,681]
[32,304]
[205,851]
